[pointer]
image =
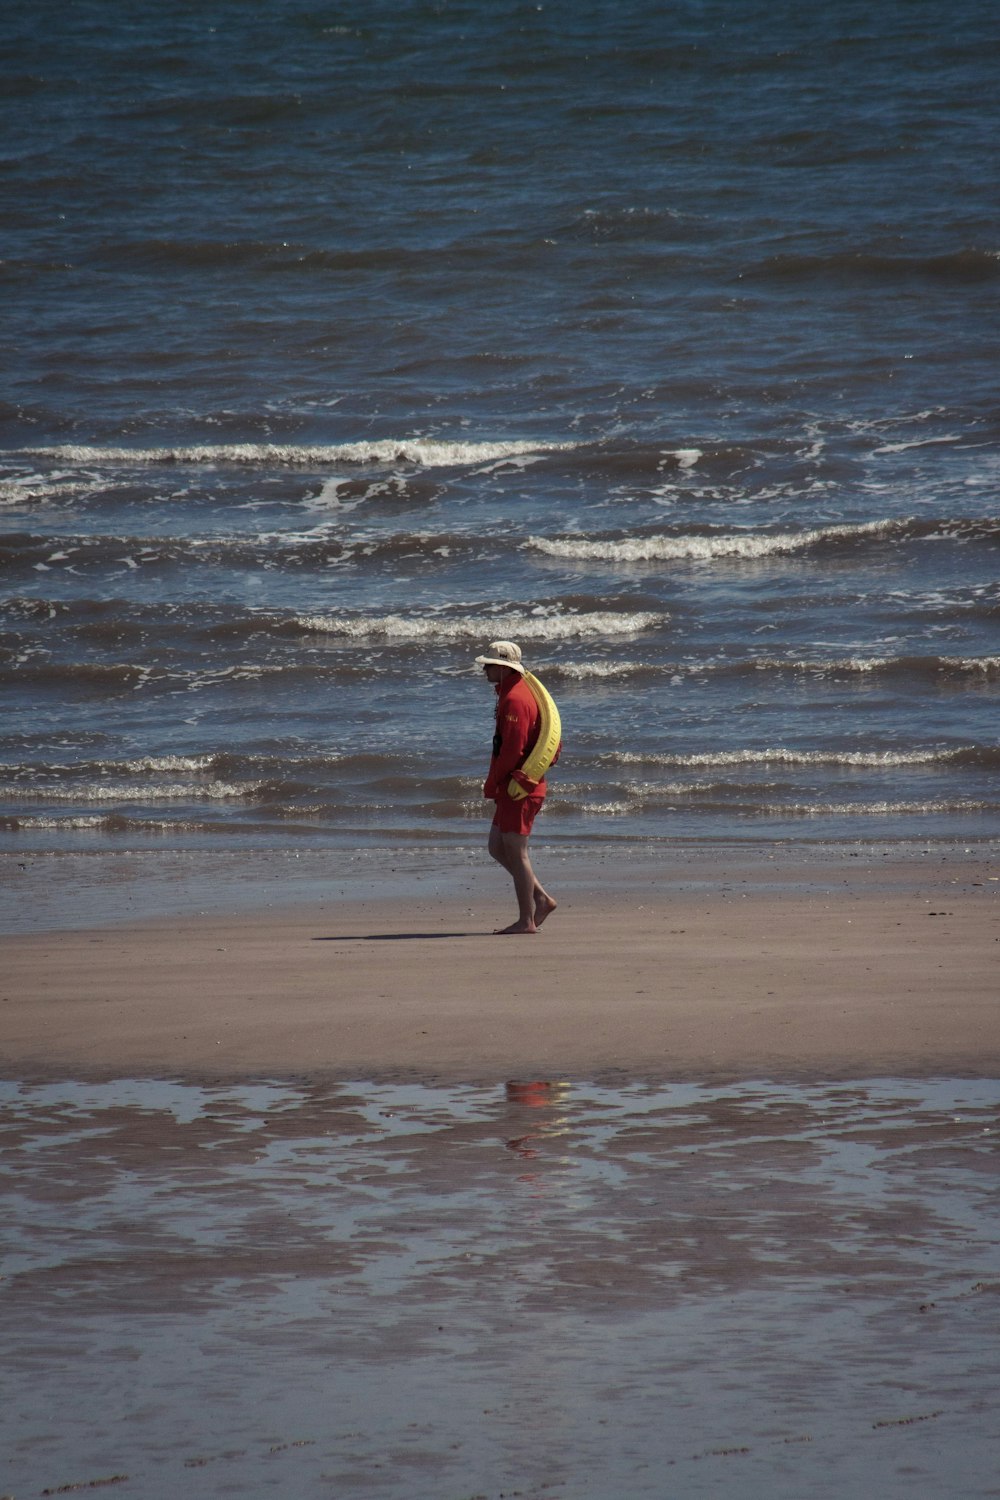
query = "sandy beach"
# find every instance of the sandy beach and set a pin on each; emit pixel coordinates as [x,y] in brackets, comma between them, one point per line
[843,967]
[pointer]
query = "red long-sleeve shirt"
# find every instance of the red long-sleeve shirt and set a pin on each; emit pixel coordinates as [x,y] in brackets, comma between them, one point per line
[518,723]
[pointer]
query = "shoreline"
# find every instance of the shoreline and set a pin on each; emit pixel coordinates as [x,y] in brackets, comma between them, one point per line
[778,963]
[107,886]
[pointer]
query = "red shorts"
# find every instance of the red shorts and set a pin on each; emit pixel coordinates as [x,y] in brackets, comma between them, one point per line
[516,817]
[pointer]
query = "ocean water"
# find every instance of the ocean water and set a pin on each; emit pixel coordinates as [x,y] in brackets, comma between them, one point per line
[339,339]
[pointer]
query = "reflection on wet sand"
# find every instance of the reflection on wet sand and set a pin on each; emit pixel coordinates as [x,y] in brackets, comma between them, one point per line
[539,1095]
[415,1291]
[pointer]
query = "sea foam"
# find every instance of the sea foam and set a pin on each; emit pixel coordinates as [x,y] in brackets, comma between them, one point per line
[420,452]
[560,627]
[690,548]
[855,759]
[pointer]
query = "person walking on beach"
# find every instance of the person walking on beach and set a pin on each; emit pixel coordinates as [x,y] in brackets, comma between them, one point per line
[517,726]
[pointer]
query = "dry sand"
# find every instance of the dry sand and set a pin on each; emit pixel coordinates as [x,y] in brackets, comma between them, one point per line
[854,970]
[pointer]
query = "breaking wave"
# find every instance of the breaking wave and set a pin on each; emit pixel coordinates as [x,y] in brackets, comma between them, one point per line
[751,545]
[863,666]
[600,671]
[966,755]
[215,791]
[547,628]
[419,452]
[932,808]
[930,667]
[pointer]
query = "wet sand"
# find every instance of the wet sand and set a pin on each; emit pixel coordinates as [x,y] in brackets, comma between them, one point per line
[837,968]
[539,1290]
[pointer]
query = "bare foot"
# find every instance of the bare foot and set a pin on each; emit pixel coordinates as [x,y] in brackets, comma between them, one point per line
[544,907]
[515,929]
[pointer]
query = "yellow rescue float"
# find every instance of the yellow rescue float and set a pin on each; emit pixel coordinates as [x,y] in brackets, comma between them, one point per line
[546,748]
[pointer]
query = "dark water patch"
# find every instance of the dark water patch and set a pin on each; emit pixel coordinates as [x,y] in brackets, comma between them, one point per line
[635,460]
[960,268]
[26,552]
[451,548]
[270,258]
[89,678]
[168,826]
[89,611]
[82,677]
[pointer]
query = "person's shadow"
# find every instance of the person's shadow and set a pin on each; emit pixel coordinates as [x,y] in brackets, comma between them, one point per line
[392,937]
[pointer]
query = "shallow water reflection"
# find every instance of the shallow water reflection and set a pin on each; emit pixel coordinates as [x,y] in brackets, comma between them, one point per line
[403,1290]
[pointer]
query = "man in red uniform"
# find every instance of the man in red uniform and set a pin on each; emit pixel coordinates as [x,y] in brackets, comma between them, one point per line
[517,720]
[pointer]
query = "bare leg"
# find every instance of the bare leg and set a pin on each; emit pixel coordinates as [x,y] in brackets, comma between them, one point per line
[533,901]
[497,848]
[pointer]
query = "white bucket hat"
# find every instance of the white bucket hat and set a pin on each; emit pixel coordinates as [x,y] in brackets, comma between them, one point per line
[501,654]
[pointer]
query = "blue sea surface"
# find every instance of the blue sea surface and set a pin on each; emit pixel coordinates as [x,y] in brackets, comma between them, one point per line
[338,340]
